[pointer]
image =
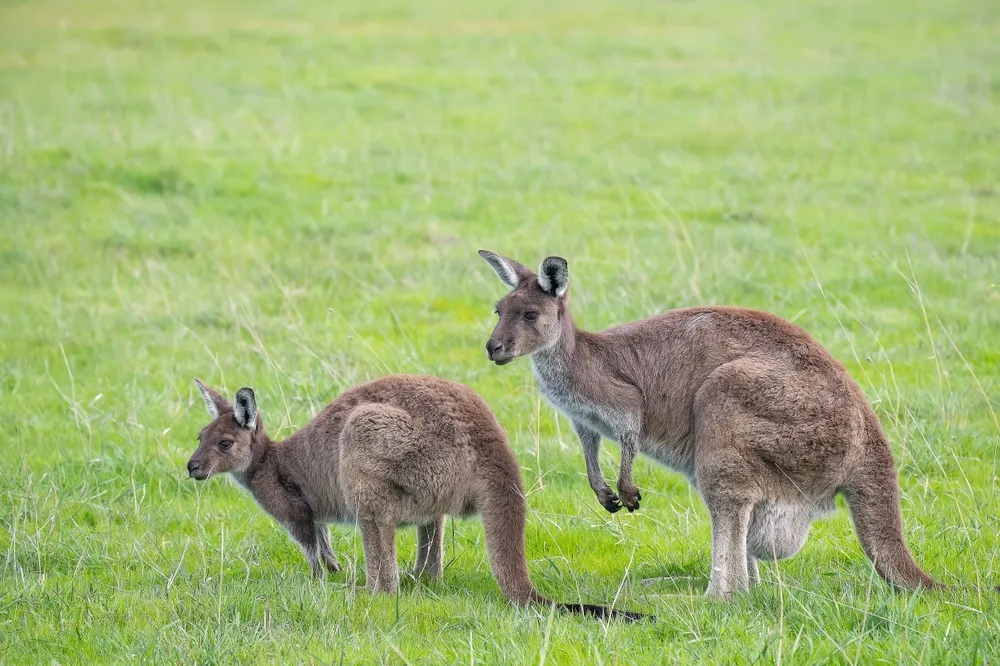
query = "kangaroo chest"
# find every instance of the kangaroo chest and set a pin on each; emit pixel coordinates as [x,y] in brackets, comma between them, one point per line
[671,445]
[579,407]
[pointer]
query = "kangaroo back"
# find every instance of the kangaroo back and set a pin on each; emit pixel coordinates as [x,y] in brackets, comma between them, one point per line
[873,497]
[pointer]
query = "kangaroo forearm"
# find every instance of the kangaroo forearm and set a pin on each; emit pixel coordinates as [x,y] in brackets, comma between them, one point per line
[595,475]
[590,442]
[629,451]
[627,492]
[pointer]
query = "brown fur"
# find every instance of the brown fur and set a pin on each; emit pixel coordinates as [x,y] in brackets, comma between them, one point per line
[395,451]
[765,423]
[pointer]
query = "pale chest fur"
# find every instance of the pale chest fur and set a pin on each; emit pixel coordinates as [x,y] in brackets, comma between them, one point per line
[555,382]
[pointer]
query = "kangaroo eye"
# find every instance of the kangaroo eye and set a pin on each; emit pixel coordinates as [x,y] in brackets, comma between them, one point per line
[225,444]
[531,316]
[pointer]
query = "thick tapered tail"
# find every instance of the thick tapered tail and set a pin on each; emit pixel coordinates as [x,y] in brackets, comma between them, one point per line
[873,497]
[603,612]
[503,513]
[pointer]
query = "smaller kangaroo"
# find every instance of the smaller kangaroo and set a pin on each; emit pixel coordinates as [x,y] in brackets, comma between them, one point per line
[761,419]
[399,450]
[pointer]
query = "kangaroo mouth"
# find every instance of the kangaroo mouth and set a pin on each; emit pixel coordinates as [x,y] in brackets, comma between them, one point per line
[500,356]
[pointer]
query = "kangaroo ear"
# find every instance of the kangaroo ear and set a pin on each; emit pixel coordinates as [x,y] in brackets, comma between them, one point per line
[511,272]
[246,408]
[213,401]
[553,276]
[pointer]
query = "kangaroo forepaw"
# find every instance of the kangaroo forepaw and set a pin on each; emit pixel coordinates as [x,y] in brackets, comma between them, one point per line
[630,496]
[609,500]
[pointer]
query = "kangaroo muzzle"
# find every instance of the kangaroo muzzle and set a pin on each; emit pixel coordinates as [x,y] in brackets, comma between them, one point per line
[497,352]
[196,470]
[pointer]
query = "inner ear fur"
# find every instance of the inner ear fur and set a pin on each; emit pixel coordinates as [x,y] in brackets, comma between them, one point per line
[214,402]
[245,408]
[509,271]
[553,276]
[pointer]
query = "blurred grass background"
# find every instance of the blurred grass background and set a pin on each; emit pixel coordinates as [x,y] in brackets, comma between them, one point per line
[289,195]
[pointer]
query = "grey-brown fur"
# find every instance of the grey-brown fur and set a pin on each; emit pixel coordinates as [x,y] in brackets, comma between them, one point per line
[765,423]
[401,450]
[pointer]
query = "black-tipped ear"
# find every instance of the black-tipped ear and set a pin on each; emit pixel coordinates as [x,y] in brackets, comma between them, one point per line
[214,402]
[246,408]
[553,276]
[511,272]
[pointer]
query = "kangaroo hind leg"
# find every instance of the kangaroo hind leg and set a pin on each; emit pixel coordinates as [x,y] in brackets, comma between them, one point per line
[729,549]
[379,542]
[430,549]
[325,550]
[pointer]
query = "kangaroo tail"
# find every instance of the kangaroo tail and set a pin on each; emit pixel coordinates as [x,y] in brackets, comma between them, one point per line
[873,497]
[603,612]
[503,511]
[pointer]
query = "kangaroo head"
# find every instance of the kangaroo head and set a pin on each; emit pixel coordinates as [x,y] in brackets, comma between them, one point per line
[224,445]
[531,314]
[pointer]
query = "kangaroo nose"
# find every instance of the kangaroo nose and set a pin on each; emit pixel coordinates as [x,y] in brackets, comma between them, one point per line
[193,467]
[492,347]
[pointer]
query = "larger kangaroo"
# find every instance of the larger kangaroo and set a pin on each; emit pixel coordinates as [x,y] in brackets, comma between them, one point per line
[765,423]
[403,449]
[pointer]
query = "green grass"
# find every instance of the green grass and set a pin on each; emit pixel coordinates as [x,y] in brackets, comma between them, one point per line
[290,196]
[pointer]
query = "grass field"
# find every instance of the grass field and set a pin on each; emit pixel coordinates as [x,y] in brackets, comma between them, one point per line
[290,195]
